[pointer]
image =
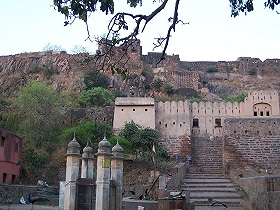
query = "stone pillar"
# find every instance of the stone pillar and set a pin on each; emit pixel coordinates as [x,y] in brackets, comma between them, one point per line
[117,173]
[87,162]
[72,174]
[103,175]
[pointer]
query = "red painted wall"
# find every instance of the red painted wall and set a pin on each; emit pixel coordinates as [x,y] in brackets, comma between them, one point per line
[10,157]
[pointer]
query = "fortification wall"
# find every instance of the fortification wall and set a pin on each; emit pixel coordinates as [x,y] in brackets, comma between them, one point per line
[261,104]
[173,118]
[251,143]
[177,146]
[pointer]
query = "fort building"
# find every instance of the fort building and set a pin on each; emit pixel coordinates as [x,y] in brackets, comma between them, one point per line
[10,157]
[179,122]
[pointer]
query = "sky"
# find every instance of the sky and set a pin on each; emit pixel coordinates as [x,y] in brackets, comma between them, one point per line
[211,35]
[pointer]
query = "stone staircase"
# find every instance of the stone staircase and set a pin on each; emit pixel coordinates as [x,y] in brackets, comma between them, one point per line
[207,154]
[208,188]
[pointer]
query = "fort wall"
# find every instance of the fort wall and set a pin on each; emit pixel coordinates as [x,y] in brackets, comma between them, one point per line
[252,142]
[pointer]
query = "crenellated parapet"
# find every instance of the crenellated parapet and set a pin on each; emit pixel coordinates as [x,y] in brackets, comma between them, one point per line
[207,118]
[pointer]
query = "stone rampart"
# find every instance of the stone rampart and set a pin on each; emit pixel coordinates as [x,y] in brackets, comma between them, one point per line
[173,118]
[251,143]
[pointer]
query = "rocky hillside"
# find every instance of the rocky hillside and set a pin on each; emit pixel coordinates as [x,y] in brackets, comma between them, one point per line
[66,72]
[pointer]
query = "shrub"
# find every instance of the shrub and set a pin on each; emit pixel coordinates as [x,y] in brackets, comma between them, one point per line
[168,89]
[94,78]
[33,68]
[194,99]
[240,97]
[157,84]
[212,69]
[253,72]
[49,70]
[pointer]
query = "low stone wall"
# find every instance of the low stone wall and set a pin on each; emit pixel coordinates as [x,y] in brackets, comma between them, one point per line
[178,174]
[14,192]
[132,204]
[263,192]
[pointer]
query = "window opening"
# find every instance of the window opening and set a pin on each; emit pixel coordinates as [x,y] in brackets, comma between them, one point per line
[195,122]
[255,113]
[3,141]
[218,122]
[13,178]
[267,113]
[4,178]
[261,113]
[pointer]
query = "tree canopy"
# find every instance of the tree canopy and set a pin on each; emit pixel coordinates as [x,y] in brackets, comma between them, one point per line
[142,140]
[96,97]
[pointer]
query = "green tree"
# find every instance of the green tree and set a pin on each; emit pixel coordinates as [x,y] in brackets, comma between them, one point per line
[142,139]
[38,117]
[96,97]
[95,131]
[41,111]
[94,78]
[125,144]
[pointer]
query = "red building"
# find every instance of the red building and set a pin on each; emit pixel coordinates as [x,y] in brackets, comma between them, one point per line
[10,157]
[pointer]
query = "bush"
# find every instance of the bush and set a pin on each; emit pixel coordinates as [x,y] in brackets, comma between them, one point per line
[194,99]
[240,97]
[157,84]
[168,89]
[212,69]
[33,68]
[253,72]
[49,70]
[94,78]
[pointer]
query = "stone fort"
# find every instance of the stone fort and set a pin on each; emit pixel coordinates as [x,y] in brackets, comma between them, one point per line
[245,131]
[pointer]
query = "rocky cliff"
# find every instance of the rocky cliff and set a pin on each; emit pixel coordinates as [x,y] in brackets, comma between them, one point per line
[58,69]
[66,72]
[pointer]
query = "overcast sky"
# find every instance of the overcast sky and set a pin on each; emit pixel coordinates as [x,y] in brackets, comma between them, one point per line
[212,35]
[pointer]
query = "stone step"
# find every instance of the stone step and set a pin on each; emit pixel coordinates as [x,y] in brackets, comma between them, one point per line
[205,202]
[215,195]
[205,188]
[205,180]
[209,185]
[209,189]
[205,175]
